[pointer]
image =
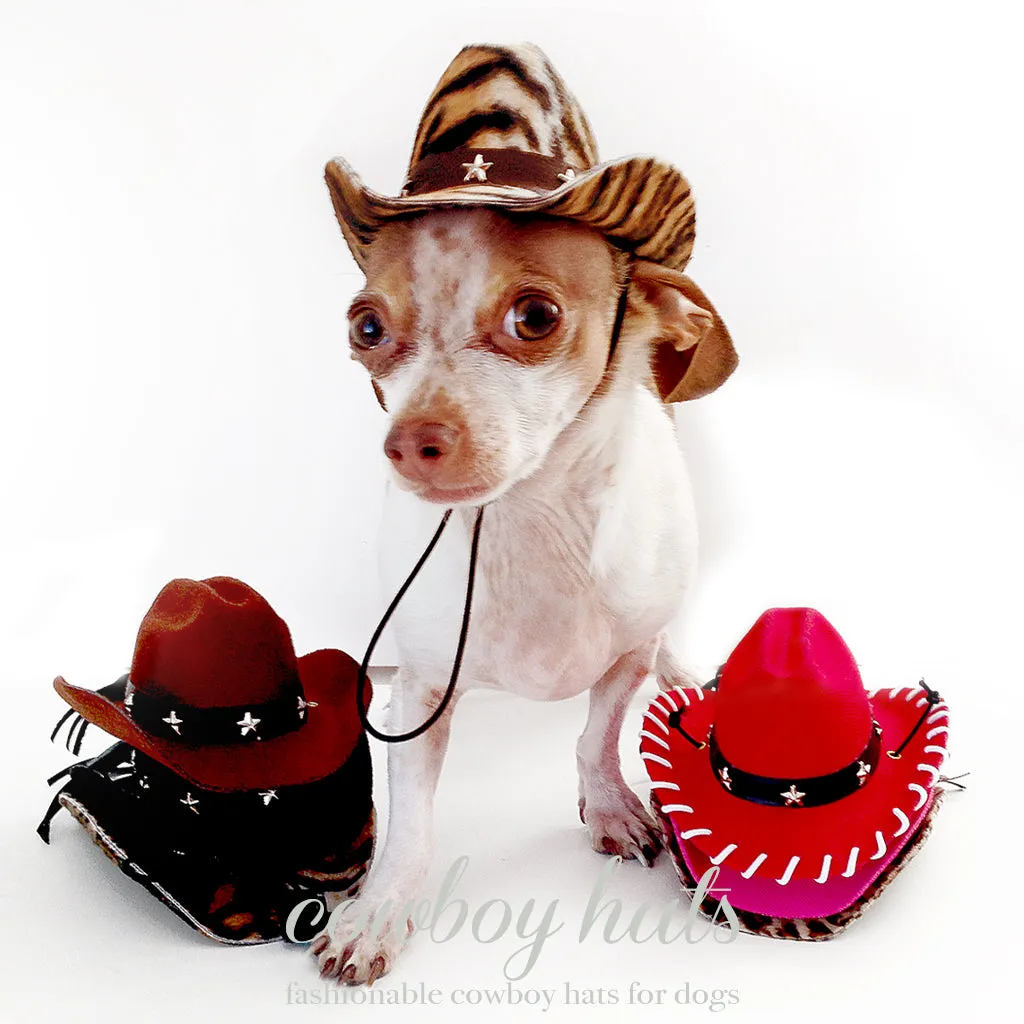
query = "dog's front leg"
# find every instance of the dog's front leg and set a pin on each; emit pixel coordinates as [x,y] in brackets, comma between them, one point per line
[366,935]
[617,820]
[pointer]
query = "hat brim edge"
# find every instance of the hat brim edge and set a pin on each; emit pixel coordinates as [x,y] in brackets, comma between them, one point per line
[198,764]
[362,212]
[107,844]
[706,816]
[809,929]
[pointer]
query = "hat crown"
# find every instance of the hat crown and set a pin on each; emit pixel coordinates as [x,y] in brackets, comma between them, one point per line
[213,643]
[504,97]
[791,702]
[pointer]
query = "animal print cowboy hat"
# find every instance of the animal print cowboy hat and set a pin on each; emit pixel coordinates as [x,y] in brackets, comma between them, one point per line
[241,783]
[501,130]
[806,792]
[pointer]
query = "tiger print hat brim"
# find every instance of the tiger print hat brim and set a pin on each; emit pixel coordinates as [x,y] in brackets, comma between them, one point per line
[501,130]
[640,203]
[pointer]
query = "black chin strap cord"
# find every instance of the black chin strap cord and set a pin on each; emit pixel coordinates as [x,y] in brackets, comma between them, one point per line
[620,315]
[463,633]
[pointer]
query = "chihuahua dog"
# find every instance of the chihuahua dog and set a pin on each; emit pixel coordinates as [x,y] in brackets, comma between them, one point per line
[488,338]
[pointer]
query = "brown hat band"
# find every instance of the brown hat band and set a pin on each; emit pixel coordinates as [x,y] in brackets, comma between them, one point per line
[502,167]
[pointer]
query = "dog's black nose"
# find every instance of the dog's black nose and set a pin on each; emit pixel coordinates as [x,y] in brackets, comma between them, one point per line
[417,449]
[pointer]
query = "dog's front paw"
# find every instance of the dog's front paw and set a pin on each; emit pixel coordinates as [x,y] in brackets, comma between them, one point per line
[619,825]
[362,941]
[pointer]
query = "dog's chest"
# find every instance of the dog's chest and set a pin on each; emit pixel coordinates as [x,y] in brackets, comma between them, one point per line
[545,624]
[585,583]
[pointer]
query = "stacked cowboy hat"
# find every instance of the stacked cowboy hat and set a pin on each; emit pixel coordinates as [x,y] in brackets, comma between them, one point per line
[241,782]
[806,793]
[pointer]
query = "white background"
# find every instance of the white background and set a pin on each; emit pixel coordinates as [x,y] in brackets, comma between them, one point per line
[177,401]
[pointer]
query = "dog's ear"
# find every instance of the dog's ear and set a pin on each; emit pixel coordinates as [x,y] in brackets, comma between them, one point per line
[692,351]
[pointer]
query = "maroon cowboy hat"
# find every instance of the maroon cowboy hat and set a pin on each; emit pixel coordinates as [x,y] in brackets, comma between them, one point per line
[216,693]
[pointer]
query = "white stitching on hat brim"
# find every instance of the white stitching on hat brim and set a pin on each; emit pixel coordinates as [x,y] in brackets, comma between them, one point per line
[901,817]
[655,739]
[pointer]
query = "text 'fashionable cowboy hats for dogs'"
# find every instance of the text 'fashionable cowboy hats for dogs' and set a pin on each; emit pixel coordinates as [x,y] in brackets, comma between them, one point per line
[242,783]
[806,792]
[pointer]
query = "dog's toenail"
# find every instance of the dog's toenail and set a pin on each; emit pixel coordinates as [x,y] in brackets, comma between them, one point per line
[376,970]
[349,973]
[328,967]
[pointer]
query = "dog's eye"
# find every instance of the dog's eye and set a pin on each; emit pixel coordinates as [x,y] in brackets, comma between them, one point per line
[531,318]
[367,331]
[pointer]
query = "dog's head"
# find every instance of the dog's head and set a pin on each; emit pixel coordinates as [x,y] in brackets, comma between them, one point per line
[486,335]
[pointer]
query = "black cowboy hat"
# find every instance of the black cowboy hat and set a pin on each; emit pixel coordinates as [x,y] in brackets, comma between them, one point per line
[242,781]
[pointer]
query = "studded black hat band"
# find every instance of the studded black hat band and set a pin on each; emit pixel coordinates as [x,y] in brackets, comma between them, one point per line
[806,792]
[167,718]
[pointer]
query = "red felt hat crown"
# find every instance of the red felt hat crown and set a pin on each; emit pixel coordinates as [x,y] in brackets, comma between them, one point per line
[791,770]
[790,701]
[217,694]
[213,642]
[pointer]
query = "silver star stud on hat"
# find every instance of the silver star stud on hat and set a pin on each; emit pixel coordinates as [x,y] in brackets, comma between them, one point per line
[723,774]
[124,770]
[190,802]
[173,721]
[863,771]
[129,699]
[793,797]
[268,795]
[303,704]
[567,175]
[248,724]
[477,170]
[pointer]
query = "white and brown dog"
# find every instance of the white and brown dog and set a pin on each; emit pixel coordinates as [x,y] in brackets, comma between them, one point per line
[524,320]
